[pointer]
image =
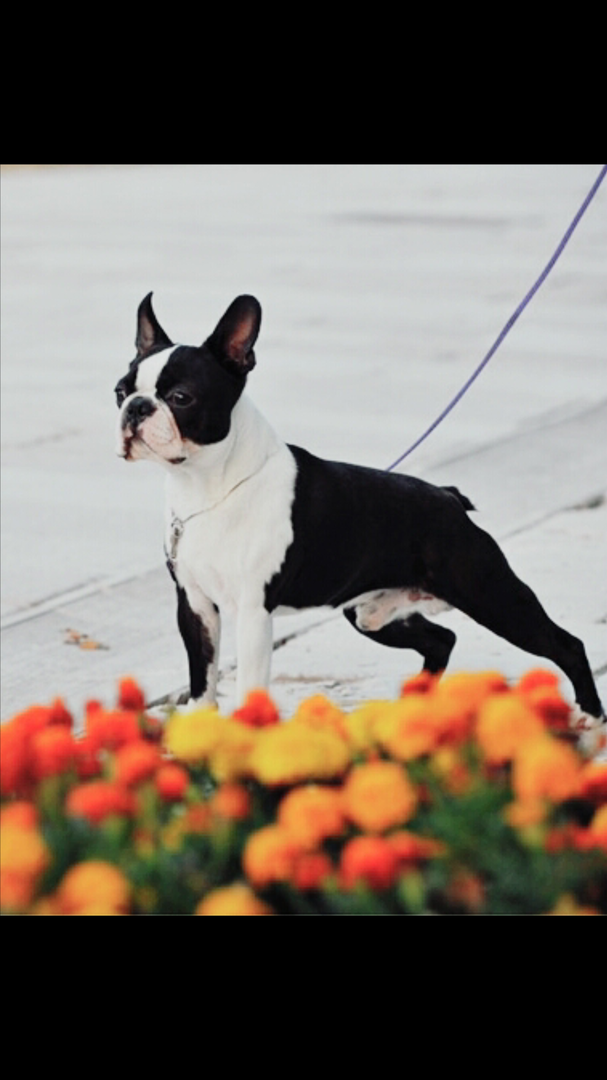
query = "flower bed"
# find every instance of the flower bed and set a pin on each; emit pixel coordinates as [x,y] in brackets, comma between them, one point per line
[463,796]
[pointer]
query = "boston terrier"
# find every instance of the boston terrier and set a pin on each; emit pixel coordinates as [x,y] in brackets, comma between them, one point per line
[255,526]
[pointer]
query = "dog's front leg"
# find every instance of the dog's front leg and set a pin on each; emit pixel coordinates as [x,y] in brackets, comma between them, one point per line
[200,632]
[254,649]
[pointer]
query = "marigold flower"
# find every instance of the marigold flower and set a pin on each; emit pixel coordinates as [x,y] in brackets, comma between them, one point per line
[320,713]
[258,710]
[454,773]
[136,762]
[546,768]
[22,850]
[231,801]
[412,848]
[421,683]
[93,887]
[290,753]
[53,751]
[87,758]
[310,870]
[235,899]
[269,855]
[378,795]
[112,729]
[229,759]
[535,678]
[360,724]
[506,722]
[471,688]
[522,813]
[406,729]
[191,737]
[15,776]
[130,695]
[171,782]
[22,814]
[369,860]
[96,800]
[312,813]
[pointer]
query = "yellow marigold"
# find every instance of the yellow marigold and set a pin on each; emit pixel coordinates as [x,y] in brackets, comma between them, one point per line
[93,887]
[452,770]
[505,722]
[359,725]
[546,768]
[311,813]
[22,850]
[229,758]
[192,737]
[23,858]
[378,795]
[269,855]
[290,753]
[236,899]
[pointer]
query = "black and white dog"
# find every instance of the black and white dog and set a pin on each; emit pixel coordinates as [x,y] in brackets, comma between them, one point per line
[255,526]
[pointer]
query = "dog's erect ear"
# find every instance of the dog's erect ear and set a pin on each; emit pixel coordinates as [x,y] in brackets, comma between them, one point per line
[236,332]
[150,335]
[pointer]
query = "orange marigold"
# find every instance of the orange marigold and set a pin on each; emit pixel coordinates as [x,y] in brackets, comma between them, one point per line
[506,722]
[93,887]
[231,801]
[318,712]
[546,768]
[96,800]
[112,729]
[310,870]
[235,899]
[406,728]
[53,751]
[258,710]
[130,695]
[378,795]
[412,848]
[171,782]
[269,855]
[369,860]
[312,813]
[23,858]
[136,762]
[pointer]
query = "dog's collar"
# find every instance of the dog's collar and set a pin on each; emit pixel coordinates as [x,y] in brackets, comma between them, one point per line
[178,524]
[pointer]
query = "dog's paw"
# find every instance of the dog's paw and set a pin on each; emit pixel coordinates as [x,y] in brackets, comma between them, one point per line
[591,732]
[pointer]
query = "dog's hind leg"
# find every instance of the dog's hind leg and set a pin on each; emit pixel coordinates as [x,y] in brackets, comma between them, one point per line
[413,632]
[475,577]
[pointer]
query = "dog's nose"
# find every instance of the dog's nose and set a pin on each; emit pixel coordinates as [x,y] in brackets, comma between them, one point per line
[138,409]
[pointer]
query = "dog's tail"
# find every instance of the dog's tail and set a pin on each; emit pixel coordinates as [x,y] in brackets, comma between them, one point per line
[465,502]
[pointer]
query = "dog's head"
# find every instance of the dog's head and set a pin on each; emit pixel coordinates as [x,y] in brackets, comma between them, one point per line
[176,398]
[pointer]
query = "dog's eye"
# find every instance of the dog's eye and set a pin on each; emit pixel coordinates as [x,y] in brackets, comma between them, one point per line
[180,398]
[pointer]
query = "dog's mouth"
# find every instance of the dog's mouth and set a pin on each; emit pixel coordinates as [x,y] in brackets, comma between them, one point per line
[132,439]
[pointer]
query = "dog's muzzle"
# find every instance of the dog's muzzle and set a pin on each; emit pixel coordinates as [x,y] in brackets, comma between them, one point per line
[148,430]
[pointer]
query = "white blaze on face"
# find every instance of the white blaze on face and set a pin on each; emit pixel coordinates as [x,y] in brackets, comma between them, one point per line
[157,436]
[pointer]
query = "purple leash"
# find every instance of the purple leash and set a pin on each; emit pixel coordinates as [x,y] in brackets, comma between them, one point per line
[511,321]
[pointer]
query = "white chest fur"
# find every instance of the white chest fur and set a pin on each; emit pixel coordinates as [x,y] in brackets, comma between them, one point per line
[228,520]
